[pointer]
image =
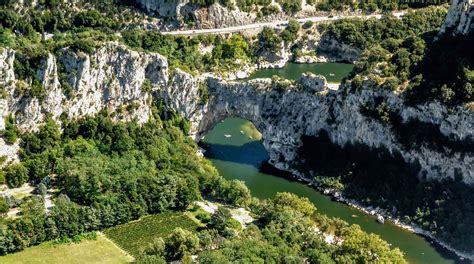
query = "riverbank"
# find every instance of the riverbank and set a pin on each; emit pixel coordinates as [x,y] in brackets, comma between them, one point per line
[337,196]
[239,157]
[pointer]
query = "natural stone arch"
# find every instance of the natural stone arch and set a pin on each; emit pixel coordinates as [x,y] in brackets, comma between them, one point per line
[284,114]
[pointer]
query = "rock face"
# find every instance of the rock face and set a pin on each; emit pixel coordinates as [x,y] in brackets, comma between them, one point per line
[110,78]
[460,18]
[113,78]
[216,16]
[206,17]
[164,8]
[337,51]
[284,116]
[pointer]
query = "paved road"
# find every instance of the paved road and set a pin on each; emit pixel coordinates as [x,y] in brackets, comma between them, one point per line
[273,24]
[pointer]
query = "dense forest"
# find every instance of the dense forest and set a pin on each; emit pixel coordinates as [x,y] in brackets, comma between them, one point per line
[109,173]
[406,56]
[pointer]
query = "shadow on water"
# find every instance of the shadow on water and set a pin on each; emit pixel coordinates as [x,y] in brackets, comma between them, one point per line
[239,157]
[252,153]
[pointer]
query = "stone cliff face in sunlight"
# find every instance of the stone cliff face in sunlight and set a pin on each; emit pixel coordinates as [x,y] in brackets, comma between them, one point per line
[114,78]
[460,18]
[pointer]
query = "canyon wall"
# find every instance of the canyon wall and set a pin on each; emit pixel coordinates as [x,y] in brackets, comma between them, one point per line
[460,18]
[111,78]
[285,115]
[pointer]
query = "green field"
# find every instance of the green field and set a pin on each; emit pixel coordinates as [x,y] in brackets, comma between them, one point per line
[135,236]
[101,250]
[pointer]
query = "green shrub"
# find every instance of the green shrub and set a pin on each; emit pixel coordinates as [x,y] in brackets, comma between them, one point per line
[308,24]
[146,86]
[290,6]
[203,93]
[204,217]
[3,206]
[16,175]
[10,134]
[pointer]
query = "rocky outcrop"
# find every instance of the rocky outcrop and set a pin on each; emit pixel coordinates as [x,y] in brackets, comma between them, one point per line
[284,116]
[338,51]
[113,78]
[460,18]
[271,60]
[216,16]
[213,16]
[164,8]
[110,78]
[313,47]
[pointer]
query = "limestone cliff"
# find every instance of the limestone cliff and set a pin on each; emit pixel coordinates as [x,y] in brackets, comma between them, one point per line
[284,116]
[181,11]
[110,78]
[113,78]
[216,16]
[460,18]
[164,8]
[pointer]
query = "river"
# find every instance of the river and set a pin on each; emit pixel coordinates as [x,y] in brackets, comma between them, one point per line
[235,149]
[333,71]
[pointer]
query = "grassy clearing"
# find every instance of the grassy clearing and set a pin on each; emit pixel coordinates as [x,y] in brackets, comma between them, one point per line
[101,250]
[135,236]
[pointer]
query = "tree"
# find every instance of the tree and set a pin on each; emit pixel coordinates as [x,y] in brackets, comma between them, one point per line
[16,175]
[156,248]
[180,243]
[289,201]
[237,193]
[3,206]
[290,33]
[268,41]
[42,190]
[366,248]
[11,131]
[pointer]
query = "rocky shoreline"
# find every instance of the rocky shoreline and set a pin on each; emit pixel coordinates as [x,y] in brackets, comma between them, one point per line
[379,212]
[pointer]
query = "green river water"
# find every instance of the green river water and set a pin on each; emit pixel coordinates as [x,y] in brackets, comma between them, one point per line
[241,157]
[333,71]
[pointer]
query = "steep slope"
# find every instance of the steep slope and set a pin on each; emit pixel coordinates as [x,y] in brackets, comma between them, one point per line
[460,18]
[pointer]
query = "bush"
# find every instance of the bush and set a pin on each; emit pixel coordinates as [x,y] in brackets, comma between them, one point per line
[180,243]
[3,206]
[308,24]
[290,33]
[290,6]
[16,175]
[268,41]
[268,10]
[10,133]
[204,217]
[146,86]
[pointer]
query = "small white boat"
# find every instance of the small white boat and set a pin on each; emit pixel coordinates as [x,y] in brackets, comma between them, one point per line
[331,74]
[250,137]
[241,132]
[227,135]
[380,219]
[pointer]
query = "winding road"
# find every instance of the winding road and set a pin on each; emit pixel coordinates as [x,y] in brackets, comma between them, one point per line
[273,24]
